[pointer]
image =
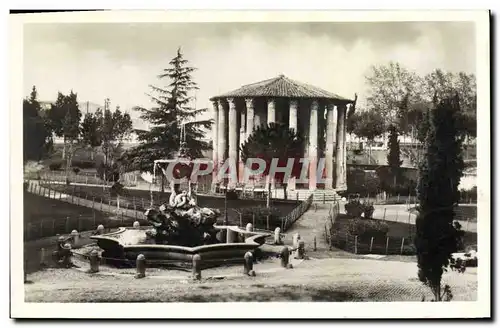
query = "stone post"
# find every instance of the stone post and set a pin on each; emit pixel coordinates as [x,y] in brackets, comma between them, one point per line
[76,237]
[136,225]
[285,257]
[313,145]
[215,139]
[250,116]
[295,240]
[301,250]
[340,156]
[331,127]
[140,266]
[94,261]
[277,236]
[233,136]
[221,139]
[248,265]
[100,229]
[197,267]
[249,227]
[292,124]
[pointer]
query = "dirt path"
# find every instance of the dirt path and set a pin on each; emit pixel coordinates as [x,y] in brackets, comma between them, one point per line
[312,280]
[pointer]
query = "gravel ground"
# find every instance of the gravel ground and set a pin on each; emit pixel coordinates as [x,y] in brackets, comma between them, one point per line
[335,279]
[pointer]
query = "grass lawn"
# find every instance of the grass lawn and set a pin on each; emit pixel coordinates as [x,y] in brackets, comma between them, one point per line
[140,200]
[44,217]
[397,231]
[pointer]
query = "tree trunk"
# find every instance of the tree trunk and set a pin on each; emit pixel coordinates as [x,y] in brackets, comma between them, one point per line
[162,189]
[69,158]
[117,204]
[64,148]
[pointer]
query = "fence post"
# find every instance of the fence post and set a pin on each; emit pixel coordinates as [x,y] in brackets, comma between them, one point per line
[402,244]
[387,246]
[297,196]
[253,219]
[267,222]
[101,204]
[86,179]
[371,244]
[356,244]
[398,198]
[467,225]
[397,215]
[67,224]
[385,210]
[324,198]
[72,196]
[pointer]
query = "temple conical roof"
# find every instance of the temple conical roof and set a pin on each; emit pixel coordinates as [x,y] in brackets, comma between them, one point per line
[281,86]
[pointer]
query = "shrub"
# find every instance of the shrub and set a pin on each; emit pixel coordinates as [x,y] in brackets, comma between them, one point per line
[84,164]
[362,182]
[108,173]
[354,208]
[368,210]
[367,228]
[56,165]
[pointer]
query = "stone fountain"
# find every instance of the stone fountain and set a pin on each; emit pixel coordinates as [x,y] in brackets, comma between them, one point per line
[179,230]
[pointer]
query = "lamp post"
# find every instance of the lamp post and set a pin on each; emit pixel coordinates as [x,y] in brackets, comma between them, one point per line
[226,221]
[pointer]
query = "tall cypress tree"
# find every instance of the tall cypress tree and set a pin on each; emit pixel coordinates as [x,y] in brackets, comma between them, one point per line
[393,157]
[437,236]
[173,109]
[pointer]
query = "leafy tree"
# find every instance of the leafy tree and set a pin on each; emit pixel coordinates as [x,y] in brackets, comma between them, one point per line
[437,236]
[64,116]
[391,88]
[370,125]
[114,128]
[90,132]
[37,137]
[443,84]
[172,111]
[275,141]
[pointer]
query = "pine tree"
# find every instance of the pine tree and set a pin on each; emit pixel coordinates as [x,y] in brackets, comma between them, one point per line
[173,110]
[437,236]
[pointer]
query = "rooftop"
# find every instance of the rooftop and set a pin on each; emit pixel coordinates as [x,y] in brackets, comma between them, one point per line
[284,87]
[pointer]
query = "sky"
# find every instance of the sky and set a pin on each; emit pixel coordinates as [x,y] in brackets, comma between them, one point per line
[119,60]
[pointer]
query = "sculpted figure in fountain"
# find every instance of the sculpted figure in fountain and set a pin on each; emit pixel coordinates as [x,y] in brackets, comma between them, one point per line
[182,222]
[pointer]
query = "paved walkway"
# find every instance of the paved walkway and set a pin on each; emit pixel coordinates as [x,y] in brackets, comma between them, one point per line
[399,213]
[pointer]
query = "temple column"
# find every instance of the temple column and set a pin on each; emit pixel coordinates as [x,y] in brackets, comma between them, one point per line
[215,142]
[331,127]
[271,118]
[271,111]
[233,136]
[292,124]
[313,145]
[242,140]
[341,154]
[221,131]
[250,116]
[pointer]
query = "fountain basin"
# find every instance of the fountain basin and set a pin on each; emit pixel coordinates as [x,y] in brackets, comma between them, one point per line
[122,252]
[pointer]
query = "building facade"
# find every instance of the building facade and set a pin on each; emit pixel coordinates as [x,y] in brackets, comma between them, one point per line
[311,111]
